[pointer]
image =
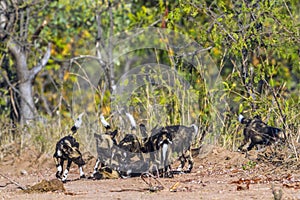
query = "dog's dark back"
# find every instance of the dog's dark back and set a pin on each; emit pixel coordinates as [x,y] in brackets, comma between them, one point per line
[69,148]
[130,143]
[258,132]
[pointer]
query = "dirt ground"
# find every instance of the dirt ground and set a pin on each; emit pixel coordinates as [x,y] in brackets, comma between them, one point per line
[217,174]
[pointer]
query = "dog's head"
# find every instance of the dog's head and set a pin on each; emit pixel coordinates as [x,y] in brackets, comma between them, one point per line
[78,160]
[244,120]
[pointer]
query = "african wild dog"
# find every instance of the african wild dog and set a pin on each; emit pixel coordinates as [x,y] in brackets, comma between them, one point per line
[124,157]
[182,138]
[130,157]
[106,147]
[131,142]
[135,155]
[259,132]
[117,155]
[127,153]
[106,173]
[163,141]
[157,147]
[67,148]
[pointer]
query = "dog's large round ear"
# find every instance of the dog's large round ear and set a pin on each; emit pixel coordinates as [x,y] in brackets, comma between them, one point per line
[143,130]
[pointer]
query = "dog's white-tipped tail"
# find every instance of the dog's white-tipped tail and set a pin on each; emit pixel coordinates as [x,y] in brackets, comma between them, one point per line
[104,122]
[78,121]
[132,121]
[241,117]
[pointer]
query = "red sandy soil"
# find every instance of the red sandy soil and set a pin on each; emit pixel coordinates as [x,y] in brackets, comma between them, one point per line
[217,174]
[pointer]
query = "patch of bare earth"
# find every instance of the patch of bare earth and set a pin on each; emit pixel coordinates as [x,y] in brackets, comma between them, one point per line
[219,174]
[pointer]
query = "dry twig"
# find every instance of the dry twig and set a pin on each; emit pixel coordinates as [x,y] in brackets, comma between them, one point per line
[153,186]
[14,182]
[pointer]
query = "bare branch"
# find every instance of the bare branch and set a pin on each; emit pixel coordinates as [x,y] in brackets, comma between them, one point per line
[36,69]
[13,103]
[14,182]
[3,74]
[20,58]
[99,36]
[196,51]
[39,30]
[44,100]
[102,62]
[26,25]
[110,66]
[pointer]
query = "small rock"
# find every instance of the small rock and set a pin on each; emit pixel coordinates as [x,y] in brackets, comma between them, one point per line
[24,172]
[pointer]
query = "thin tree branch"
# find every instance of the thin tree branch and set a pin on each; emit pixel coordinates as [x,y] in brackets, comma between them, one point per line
[196,51]
[37,32]
[110,67]
[17,91]
[36,69]
[99,35]
[21,21]
[102,62]
[13,103]
[26,24]
[283,116]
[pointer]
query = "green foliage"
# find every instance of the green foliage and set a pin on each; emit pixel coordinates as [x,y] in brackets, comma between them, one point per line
[249,165]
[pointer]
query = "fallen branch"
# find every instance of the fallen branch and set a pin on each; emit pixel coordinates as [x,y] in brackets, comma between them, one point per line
[130,190]
[14,182]
[157,186]
[2,186]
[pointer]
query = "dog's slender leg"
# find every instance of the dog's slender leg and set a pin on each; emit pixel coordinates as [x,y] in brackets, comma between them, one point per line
[59,165]
[251,145]
[182,163]
[96,167]
[82,175]
[190,161]
[65,175]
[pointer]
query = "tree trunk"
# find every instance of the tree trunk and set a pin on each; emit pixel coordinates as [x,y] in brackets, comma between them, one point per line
[26,76]
[27,107]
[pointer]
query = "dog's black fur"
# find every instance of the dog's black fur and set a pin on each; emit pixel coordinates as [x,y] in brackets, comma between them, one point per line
[106,148]
[67,149]
[130,152]
[164,141]
[182,138]
[259,133]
